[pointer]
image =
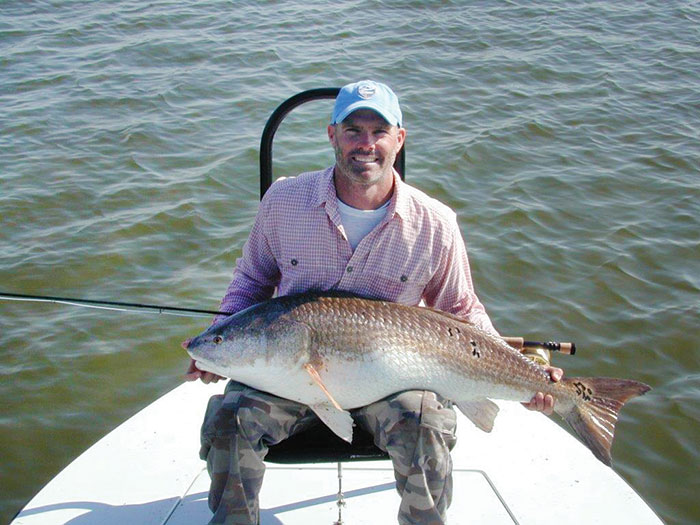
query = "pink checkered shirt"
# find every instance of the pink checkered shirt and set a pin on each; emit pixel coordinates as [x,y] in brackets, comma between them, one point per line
[298,244]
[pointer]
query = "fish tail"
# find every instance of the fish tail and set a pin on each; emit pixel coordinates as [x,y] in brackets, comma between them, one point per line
[595,411]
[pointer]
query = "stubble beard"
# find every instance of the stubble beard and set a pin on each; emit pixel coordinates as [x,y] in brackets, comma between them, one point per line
[359,175]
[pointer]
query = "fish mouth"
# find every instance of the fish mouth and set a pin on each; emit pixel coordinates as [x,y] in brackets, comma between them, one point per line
[186,343]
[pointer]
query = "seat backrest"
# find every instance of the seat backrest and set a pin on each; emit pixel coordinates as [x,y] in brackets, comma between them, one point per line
[319,444]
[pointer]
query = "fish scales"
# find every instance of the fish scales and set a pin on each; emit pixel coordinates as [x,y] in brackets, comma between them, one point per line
[427,339]
[335,352]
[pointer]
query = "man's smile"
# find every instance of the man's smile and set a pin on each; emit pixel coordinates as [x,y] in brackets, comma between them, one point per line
[364,158]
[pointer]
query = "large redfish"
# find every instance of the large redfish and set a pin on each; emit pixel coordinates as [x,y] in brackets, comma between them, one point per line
[336,352]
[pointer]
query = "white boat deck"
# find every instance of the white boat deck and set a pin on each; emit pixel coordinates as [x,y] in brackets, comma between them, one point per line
[147,471]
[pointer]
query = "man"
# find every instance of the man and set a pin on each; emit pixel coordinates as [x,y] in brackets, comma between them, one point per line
[354,227]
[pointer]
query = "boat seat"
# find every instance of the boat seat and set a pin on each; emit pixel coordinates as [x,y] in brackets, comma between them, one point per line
[318,444]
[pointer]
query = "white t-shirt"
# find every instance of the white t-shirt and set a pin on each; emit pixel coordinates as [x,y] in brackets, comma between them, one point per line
[358,223]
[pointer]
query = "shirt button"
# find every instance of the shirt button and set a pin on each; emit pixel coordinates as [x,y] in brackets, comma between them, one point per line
[294,262]
[348,269]
[404,278]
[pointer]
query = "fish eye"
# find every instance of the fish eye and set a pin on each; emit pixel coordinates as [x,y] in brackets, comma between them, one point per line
[218,339]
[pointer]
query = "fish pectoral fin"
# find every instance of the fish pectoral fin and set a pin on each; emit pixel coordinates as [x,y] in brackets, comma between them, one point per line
[317,379]
[339,421]
[482,412]
[332,414]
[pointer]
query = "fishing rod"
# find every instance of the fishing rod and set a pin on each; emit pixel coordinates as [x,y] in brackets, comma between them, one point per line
[113,305]
[518,343]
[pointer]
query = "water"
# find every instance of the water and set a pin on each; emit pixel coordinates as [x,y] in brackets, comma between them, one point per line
[565,135]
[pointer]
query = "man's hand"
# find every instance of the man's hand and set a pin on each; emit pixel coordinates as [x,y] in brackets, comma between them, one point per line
[193,373]
[545,403]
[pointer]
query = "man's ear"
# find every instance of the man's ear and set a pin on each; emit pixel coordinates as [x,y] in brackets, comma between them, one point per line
[401,138]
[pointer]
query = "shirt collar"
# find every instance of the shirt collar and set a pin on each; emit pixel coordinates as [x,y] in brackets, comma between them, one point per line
[325,194]
[400,204]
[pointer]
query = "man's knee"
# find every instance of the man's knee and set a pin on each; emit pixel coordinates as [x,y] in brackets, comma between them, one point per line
[222,419]
[437,415]
[401,420]
[414,409]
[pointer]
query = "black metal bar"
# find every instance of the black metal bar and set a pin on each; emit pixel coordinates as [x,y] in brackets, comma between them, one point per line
[273,123]
[276,119]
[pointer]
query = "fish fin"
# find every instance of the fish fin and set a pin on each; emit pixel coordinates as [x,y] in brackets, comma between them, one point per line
[339,421]
[317,379]
[482,412]
[595,412]
[332,414]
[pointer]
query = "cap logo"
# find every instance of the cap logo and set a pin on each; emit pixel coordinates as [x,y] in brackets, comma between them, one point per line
[366,90]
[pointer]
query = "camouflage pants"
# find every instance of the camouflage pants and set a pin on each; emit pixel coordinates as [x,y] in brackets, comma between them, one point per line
[414,427]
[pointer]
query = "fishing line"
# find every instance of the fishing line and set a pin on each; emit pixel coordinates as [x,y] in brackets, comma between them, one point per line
[113,305]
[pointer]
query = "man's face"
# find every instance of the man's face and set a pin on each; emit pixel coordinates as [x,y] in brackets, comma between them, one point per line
[365,146]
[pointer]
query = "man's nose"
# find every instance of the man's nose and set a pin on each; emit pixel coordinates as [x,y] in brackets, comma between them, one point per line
[365,140]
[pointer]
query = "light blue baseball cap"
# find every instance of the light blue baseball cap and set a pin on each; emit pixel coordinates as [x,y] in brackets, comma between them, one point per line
[367,94]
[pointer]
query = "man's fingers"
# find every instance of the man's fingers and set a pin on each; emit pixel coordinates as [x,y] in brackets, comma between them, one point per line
[193,373]
[208,377]
[555,374]
[548,405]
[193,376]
[541,403]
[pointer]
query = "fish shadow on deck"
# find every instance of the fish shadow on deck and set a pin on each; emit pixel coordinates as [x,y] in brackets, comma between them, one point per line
[92,512]
[173,510]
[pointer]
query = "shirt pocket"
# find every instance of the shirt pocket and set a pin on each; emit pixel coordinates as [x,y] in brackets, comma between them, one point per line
[401,284]
[301,271]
